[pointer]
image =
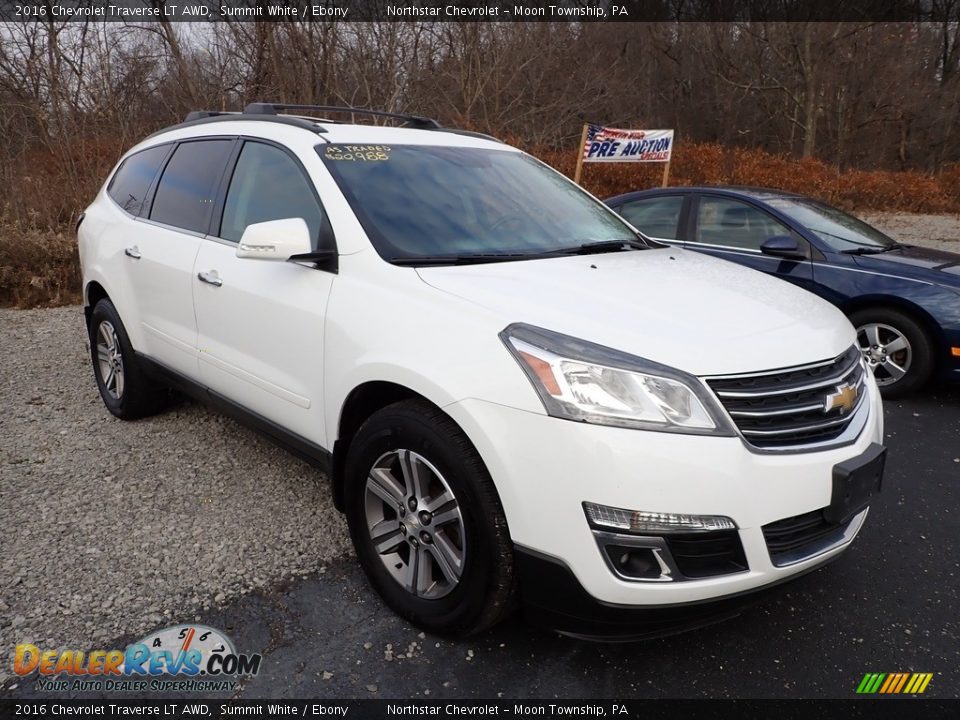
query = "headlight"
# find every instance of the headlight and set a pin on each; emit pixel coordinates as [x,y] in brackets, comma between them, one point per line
[578,380]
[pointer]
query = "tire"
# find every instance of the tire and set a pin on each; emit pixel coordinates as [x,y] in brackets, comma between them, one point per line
[893,342]
[124,387]
[448,597]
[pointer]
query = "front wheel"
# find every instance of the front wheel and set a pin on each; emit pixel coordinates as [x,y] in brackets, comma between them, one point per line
[897,349]
[426,521]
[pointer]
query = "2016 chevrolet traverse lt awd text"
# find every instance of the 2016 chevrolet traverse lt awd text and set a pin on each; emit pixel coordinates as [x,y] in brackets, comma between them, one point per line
[517,397]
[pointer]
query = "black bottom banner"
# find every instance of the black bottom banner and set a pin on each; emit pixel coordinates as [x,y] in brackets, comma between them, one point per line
[892,709]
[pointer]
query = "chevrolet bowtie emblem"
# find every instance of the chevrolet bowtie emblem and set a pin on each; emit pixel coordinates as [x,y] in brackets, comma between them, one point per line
[844,398]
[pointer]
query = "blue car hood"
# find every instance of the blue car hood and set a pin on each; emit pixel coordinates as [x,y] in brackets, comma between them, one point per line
[937,266]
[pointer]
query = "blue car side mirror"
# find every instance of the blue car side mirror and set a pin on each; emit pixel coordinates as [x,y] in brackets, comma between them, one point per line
[783,246]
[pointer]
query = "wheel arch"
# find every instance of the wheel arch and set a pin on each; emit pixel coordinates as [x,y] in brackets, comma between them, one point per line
[93,293]
[930,326]
[362,402]
[900,304]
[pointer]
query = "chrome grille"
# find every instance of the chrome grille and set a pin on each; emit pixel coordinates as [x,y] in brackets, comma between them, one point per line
[794,406]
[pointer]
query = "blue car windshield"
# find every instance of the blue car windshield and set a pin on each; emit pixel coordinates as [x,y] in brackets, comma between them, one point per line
[425,201]
[842,232]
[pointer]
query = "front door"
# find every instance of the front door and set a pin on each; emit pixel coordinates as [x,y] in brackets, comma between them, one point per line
[734,230]
[261,322]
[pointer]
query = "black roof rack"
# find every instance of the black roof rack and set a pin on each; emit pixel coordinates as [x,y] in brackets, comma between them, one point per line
[202,114]
[203,117]
[416,121]
[269,112]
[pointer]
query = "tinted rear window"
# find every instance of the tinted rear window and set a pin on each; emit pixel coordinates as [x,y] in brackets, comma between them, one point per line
[132,180]
[185,195]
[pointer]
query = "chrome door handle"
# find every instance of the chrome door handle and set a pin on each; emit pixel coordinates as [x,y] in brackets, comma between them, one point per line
[132,252]
[210,277]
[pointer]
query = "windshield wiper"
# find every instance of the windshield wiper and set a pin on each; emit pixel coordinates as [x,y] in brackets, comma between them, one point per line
[874,250]
[602,246]
[589,248]
[470,259]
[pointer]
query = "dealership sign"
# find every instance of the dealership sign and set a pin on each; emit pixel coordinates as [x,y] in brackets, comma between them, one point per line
[604,144]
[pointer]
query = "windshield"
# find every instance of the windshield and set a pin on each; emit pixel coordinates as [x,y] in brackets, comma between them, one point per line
[437,202]
[840,231]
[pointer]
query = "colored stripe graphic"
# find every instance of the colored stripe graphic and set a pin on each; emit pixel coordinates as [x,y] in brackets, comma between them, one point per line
[894,683]
[892,679]
[903,679]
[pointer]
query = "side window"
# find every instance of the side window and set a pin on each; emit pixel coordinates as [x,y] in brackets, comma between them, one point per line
[268,185]
[185,194]
[130,183]
[657,217]
[732,223]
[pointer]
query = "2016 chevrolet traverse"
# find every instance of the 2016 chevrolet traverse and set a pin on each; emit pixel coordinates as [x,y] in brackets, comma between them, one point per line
[517,397]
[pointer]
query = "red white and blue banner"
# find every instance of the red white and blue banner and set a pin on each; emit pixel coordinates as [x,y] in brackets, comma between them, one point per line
[606,144]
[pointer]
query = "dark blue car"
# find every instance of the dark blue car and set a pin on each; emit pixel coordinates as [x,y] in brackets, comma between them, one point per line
[904,300]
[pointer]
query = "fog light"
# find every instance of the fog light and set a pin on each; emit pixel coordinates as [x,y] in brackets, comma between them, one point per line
[640,522]
[630,562]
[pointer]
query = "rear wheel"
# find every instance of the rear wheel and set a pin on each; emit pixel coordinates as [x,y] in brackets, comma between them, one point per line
[124,387]
[896,347]
[426,521]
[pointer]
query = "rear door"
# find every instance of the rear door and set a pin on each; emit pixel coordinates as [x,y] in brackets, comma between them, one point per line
[733,229]
[261,322]
[117,245]
[163,249]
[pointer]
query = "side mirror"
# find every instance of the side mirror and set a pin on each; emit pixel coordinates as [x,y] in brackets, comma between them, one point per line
[275,240]
[783,246]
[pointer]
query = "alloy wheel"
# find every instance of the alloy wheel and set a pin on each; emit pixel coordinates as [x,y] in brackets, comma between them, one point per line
[110,360]
[415,524]
[886,350]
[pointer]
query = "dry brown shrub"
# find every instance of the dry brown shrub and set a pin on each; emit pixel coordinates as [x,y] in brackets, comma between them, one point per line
[52,190]
[712,164]
[950,184]
[38,268]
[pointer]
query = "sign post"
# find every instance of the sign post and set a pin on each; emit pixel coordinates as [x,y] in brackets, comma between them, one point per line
[605,144]
[583,142]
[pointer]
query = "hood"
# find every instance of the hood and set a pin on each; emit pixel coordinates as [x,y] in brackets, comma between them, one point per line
[937,266]
[679,308]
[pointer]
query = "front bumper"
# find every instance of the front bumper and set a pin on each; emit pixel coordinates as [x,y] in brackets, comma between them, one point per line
[553,598]
[545,468]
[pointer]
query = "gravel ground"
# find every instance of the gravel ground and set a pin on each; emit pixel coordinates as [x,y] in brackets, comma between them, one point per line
[118,527]
[937,231]
[123,527]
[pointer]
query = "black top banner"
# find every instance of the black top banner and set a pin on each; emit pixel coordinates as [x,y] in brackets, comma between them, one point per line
[132,11]
[327,709]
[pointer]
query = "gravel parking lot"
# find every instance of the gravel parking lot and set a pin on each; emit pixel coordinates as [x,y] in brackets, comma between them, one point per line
[116,528]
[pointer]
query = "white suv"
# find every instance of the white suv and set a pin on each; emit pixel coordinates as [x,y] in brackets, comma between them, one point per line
[516,395]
